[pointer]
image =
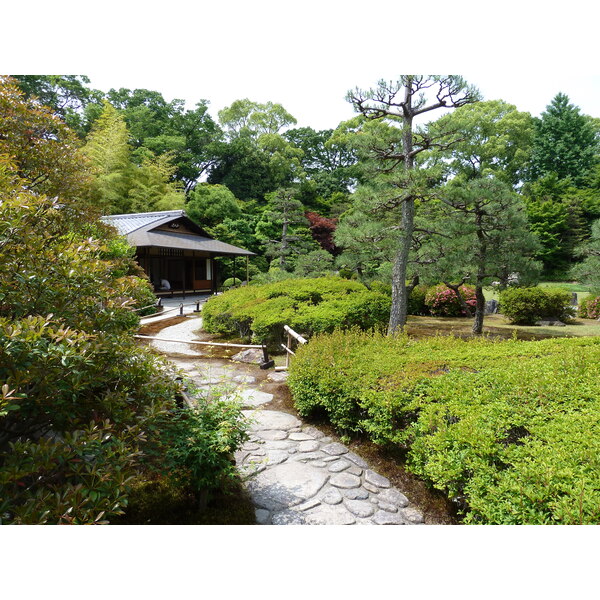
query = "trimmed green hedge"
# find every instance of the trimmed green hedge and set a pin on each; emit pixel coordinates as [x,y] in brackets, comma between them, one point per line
[511,429]
[525,306]
[309,306]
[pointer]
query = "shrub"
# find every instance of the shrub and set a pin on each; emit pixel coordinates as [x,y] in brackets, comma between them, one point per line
[589,308]
[231,282]
[508,428]
[443,302]
[416,301]
[309,306]
[525,306]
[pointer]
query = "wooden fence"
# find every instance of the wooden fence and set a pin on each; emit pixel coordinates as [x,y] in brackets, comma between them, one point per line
[291,334]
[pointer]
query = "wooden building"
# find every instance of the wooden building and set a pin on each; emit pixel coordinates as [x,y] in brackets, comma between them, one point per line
[171,248]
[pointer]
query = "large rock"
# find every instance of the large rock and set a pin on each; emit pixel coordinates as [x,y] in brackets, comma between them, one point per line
[271,419]
[250,355]
[285,485]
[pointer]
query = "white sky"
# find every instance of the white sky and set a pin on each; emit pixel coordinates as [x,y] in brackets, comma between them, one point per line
[307,55]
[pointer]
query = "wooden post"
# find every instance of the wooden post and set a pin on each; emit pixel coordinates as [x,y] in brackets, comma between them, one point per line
[247,270]
[234,271]
[287,354]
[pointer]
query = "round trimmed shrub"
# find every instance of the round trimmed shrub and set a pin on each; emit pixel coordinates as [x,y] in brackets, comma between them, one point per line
[443,302]
[525,306]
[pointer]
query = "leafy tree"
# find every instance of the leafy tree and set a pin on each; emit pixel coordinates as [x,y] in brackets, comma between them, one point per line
[323,230]
[283,228]
[256,160]
[495,138]
[67,95]
[245,118]
[107,147]
[210,205]
[330,164]
[588,271]
[44,150]
[393,142]
[168,128]
[483,235]
[565,142]
[153,187]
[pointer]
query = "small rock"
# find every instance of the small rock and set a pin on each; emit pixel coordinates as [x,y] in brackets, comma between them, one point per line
[356,460]
[308,446]
[309,455]
[376,479]
[318,463]
[325,440]
[277,376]
[345,480]
[262,516]
[335,448]
[412,515]
[383,517]
[332,496]
[372,488]
[277,445]
[388,507]
[251,446]
[331,458]
[300,437]
[355,471]
[244,379]
[356,494]
[393,496]
[360,508]
[287,517]
[313,431]
[272,434]
[339,465]
[276,457]
[308,504]
[329,515]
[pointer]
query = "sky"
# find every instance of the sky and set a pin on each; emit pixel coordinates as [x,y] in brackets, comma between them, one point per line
[306,56]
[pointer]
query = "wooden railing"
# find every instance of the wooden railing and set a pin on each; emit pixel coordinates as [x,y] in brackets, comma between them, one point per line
[291,334]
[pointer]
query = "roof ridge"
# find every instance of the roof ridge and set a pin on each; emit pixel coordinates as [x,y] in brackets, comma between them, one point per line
[146,214]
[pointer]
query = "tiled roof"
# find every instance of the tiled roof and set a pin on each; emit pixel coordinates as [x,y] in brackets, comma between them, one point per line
[140,229]
[126,224]
[184,241]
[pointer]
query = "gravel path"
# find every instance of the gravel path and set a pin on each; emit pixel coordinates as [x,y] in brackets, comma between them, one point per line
[295,474]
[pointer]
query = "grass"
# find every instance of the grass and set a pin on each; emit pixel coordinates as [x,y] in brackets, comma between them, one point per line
[497,325]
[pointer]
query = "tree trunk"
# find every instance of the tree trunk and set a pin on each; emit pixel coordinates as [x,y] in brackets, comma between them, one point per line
[479,310]
[399,290]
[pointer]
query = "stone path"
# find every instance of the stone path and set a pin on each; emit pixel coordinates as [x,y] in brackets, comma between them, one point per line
[295,474]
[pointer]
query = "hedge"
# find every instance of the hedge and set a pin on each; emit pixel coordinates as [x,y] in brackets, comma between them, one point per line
[309,306]
[510,429]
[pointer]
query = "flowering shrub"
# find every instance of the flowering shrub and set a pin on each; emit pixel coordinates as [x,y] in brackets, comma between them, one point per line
[589,308]
[443,302]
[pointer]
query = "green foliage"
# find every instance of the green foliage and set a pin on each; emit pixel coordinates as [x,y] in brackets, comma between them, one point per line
[564,143]
[588,270]
[525,306]
[416,301]
[318,263]
[81,404]
[196,445]
[508,429]
[210,205]
[308,306]
[443,302]
[232,281]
